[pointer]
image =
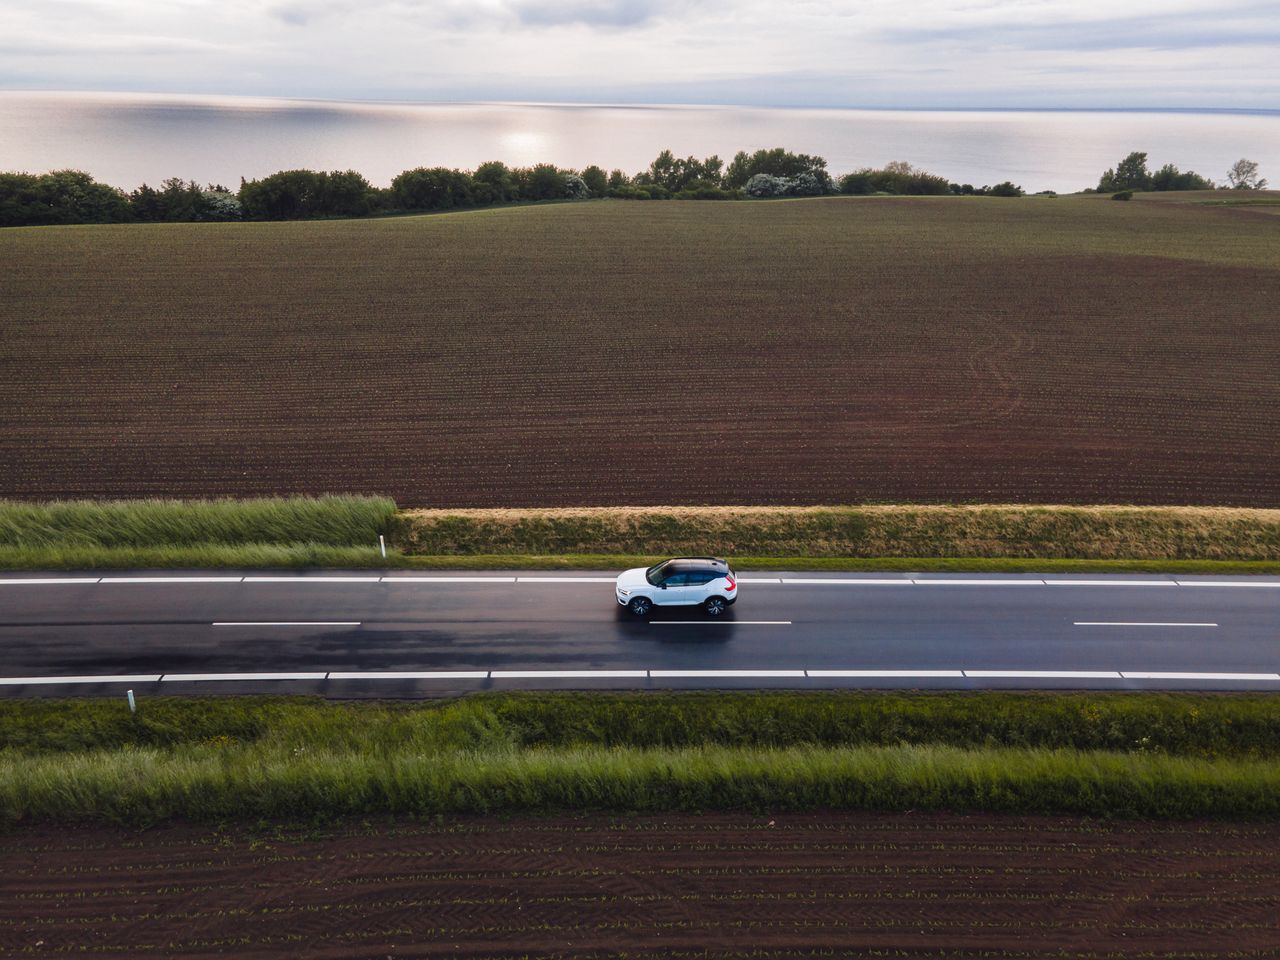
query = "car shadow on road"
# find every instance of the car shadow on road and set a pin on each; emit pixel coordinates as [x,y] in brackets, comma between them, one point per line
[678,625]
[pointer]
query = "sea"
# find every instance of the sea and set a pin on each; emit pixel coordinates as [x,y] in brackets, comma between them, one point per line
[130,139]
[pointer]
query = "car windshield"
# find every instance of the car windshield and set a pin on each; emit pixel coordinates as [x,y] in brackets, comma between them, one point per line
[655,574]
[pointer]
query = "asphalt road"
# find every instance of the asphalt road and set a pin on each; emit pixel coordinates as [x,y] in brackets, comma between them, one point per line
[407,634]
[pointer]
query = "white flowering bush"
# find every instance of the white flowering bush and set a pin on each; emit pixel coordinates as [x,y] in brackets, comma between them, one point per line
[219,205]
[575,188]
[764,185]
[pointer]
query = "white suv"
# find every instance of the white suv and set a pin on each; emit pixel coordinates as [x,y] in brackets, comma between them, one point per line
[684,581]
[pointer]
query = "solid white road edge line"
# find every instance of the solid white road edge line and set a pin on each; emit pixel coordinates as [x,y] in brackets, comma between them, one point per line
[563,674]
[862,581]
[1200,676]
[885,673]
[448,579]
[726,673]
[111,678]
[171,580]
[979,583]
[1112,583]
[1227,583]
[312,579]
[566,579]
[199,677]
[285,623]
[49,580]
[1049,674]
[409,675]
[1114,623]
[751,623]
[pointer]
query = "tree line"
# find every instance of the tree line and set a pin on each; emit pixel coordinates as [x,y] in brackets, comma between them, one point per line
[72,196]
[1131,174]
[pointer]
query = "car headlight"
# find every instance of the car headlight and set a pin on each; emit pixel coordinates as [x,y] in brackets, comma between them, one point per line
[625,593]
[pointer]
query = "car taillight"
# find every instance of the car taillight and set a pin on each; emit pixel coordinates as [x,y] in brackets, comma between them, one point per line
[732,585]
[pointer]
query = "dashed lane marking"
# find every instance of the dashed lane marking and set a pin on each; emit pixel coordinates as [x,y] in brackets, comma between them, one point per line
[1121,623]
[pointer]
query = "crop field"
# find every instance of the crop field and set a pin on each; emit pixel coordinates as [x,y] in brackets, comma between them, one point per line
[842,350]
[710,886]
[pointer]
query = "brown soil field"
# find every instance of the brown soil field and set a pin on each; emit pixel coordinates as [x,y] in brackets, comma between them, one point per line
[839,350]
[830,885]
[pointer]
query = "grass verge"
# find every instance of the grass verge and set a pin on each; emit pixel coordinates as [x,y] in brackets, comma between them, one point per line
[1101,754]
[343,532]
[1004,532]
[280,531]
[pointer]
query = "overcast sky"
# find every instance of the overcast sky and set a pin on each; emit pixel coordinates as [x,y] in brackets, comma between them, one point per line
[874,53]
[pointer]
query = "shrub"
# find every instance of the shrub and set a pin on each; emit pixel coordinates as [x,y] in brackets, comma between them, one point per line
[765,185]
[63,196]
[1123,195]
[776,163]
[434,188]
[575,188]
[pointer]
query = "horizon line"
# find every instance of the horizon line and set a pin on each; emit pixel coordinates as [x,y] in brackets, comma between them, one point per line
[639,104]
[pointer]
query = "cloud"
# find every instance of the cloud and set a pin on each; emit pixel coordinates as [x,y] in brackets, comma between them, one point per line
[613,14]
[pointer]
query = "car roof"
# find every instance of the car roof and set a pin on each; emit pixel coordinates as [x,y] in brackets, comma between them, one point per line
[699,563]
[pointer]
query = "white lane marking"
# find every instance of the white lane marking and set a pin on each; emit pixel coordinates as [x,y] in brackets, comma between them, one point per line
[50,581]
[860,581]
[1227,583]
[563,674]
[726,673]
[1112,583]
[1104,623]
[200,677]
[760,580]
[566,579]
[727,623]
[410,675]
[107,678]
[1200,676]
[286,623]
[448,579]
[171,579]
[1048,674]
[312,579]
[979,583]
[885,673]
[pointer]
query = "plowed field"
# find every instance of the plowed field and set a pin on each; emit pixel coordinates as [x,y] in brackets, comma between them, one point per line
[847,885]
[819,351]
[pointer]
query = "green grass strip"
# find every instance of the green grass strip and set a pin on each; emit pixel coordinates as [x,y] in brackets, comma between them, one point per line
[212,783]
[167,524]
[1206,726]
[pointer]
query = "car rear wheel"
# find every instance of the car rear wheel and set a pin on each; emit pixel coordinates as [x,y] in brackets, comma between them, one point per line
[715,606]
[640,606]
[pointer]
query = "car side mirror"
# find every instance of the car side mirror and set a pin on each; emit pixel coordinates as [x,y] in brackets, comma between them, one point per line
[662,586]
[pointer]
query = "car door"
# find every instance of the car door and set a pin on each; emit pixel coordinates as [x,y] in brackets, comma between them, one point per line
[696,591]
[677,590]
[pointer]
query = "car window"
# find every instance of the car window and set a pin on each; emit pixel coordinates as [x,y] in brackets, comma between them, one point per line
[701,577]
[678,579]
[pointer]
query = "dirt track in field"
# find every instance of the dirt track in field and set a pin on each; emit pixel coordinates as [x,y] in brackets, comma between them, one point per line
[609,353]
[843,885]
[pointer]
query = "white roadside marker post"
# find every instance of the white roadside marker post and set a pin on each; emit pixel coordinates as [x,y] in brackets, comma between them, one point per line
[382,545]
[133,705]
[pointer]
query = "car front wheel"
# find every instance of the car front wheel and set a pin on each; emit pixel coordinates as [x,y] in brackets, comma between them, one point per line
[640,606]
[715,606]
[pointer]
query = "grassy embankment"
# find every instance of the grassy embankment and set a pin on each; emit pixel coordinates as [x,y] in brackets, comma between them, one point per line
[1107,755]
[343,531]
